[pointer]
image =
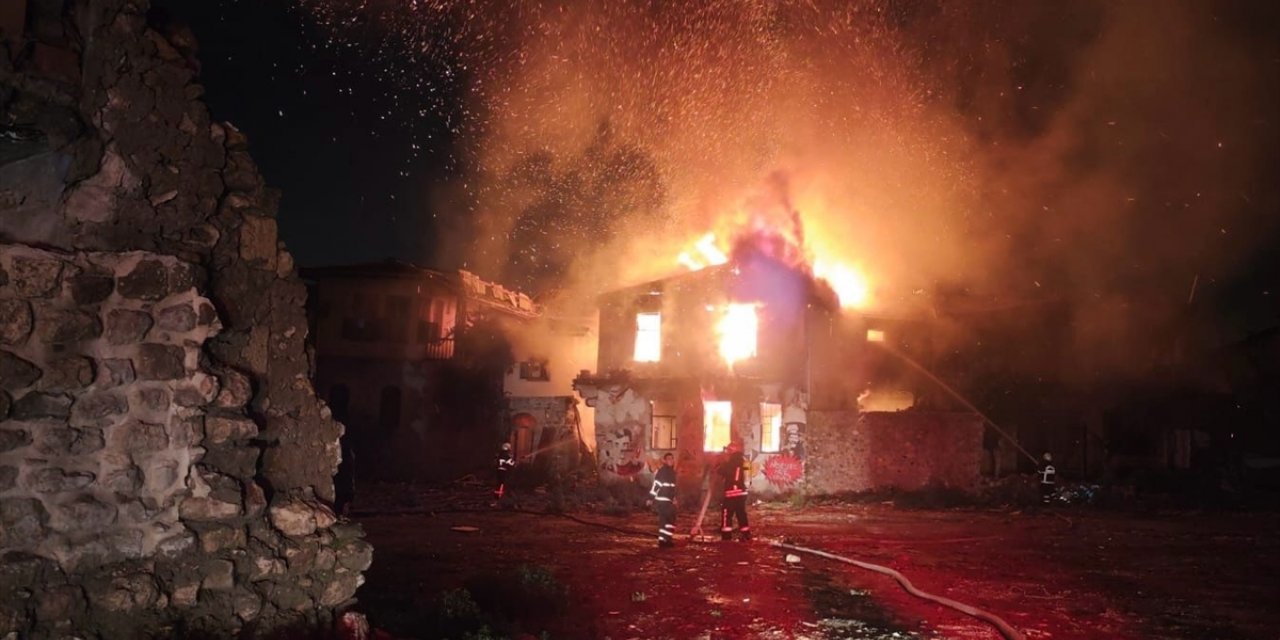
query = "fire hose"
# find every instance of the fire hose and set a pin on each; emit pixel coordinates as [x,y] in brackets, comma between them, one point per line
[1005,628]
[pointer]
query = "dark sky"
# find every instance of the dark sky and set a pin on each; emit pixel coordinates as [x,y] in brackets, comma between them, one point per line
[363,155]
[355,168]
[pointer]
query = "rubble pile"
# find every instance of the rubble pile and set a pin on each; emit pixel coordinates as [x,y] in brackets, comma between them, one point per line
[164,462]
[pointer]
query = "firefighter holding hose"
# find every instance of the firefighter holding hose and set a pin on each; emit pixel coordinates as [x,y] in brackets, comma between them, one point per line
[664,497]
[506,462]
[733,473]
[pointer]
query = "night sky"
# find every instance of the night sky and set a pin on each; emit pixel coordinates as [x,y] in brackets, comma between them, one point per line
[375,130]
[355,168]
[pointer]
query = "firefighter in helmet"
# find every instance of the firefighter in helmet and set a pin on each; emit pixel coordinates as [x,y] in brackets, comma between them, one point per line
[664,498]
[733,474]
[1048,481]
[506,461]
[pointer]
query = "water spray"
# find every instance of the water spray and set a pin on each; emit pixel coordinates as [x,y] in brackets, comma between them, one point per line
[959,398]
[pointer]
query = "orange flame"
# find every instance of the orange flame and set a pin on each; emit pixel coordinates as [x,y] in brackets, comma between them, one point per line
[737,330]
[850,283]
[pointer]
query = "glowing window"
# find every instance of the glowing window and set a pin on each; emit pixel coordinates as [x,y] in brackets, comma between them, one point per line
[770,427]
[648,337]
[737,331]
[875,335]
[663,425]
[716,421]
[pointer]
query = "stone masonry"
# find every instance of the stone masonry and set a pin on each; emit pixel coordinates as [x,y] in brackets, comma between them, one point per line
[903,451]
[165,466]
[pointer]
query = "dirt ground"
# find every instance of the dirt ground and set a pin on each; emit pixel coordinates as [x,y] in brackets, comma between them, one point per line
[1062,573]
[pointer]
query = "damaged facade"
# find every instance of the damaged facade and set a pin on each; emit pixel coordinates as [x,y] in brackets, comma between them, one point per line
[428,370]
[758,352]
[165,466]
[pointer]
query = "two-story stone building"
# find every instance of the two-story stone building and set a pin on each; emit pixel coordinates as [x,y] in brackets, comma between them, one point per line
[759,352]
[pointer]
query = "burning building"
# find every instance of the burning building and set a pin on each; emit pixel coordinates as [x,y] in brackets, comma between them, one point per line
[755,349]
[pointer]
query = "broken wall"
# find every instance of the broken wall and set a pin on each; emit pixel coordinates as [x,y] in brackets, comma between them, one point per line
[905,450]
[165,465]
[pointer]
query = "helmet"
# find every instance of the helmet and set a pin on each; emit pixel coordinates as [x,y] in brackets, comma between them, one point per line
[1048,457]
[734,447]
[506,446]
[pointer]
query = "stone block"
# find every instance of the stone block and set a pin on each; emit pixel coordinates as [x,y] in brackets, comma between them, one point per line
[198,392]
[207,509]
[356,555]
[37,404]
[22,522]
[297,517]
[16,321]
[288,597]
[60,602]
[124,592]
[8,477]
[149,280]
[185,595]
[161,474]
[61,441]
[16,372]
[125,482]
[264,567]
[36,277]
[160,362]
[218,537]
[126,326]
[68,326]
[342,588]
[258,236]
[86,513]
[136,436]
[246,605]
[236,390]
[176,545]
[55,480]
[221,429]
[67,374]
[238,461]
[154,399]
[115,372]
[178,318]
[91,288]
[96,406]
[13,438]
[219,575]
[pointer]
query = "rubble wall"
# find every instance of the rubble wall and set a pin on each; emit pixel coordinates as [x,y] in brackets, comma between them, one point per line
[905,450]
[165,466]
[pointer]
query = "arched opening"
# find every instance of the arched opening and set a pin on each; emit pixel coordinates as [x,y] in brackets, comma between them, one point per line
[524,425]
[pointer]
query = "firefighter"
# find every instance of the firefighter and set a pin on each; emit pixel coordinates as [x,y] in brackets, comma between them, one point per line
[733,473]
[664,497]
[1048,482]
[506,461]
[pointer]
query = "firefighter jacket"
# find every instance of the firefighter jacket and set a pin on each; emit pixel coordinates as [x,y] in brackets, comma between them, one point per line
[734,474]
[664,484]
[506,460]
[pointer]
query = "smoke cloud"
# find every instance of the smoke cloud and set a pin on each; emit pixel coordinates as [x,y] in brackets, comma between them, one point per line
[1105,154]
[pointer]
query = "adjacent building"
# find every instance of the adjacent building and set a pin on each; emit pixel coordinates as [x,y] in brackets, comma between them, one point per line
[413,360]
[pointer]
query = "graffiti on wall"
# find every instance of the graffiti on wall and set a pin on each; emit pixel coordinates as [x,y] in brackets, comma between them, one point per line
[621,418]
[783,470]
[795,406]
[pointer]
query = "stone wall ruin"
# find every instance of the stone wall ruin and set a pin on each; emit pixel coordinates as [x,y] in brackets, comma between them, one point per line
[165,466]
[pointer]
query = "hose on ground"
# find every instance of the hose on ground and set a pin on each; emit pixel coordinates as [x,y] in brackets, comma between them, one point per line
[1005,629]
